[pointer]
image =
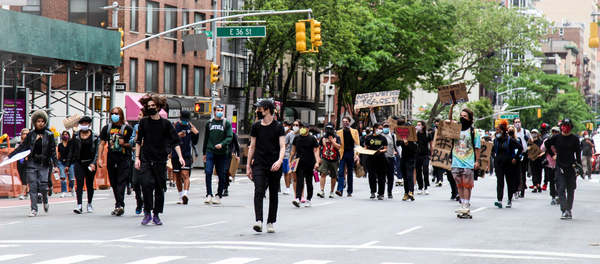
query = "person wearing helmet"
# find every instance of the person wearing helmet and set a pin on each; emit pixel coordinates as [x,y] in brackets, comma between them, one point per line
[567,151]
[265,156]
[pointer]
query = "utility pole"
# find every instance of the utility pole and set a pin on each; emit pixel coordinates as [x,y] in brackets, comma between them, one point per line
[213,88]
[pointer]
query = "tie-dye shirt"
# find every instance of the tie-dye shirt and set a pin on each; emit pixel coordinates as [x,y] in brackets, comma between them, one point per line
[463,155]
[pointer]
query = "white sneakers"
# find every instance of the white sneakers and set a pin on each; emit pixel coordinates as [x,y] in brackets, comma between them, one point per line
[62,195]
[420,192]
[270,228]
[307,203]
[286,191]
[216,200]
[426,192]
[258,227]
[90,209]
[208,199]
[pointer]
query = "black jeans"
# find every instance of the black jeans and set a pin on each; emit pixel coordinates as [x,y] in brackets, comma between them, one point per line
[508,172]
[82,173]
[523,175]
[438,174]
[304,174]
[422,168]
[452,182]
[551,177]
[408,167]
[391,169]
[154,185]
[566,182]
[265,178]
[536,171]
[118,173]
[377,174]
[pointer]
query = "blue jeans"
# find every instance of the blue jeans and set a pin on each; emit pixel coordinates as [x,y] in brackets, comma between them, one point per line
[63,176]
[346,161]
[219,161]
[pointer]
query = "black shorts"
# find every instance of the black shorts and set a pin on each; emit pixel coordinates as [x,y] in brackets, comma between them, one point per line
[177,165]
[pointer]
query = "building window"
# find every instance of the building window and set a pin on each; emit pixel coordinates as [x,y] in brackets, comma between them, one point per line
[184,82]
[32,7]
[152,17]
[185,19]
[198,81]
[171,20]
[151,81]
[170,78]
[133,73]
[88,12]
[197,18]
[226,71]
[133,26]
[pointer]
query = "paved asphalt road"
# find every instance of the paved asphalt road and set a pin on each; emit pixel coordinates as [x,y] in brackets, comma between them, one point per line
[340,230]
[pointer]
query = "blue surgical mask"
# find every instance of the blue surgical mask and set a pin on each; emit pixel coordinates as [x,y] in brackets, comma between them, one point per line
[184,122]
[386,130]
[115,118]
[219,114]
[364,133]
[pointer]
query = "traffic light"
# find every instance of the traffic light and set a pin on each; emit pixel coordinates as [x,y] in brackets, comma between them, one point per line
[214,73]
[315,34]
[122,40]
[539,113]
[594,40]
[300,36]
[197,107]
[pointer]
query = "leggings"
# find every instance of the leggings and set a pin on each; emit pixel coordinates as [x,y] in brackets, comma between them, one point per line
[304,174]
[84,174]
[422,168]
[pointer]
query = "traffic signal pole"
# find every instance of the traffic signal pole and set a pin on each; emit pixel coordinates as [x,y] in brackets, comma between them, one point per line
[213,90]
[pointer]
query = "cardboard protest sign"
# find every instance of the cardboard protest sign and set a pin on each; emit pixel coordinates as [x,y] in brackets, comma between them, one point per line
[441,155]
[453,94]
[71,121]
[374,99]
[294,164]
[361,150]
[533,151]
[410,132]
[485,153]
[449,129]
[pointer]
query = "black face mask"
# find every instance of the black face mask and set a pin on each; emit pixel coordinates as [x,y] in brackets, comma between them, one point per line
[260,115]
[150,111]
[465,123]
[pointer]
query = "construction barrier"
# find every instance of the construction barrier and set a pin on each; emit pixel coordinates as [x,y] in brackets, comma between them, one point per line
[101,180]
[10,183]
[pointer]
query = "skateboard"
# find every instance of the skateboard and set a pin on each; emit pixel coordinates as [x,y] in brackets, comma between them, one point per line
[464,216]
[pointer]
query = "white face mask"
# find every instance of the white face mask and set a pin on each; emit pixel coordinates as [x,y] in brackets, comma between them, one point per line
[498,135]
[286,129]
[295,129]
[83,128]
[518,125]
[378,131]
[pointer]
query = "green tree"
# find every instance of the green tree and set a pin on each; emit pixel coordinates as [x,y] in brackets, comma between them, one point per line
[482,111]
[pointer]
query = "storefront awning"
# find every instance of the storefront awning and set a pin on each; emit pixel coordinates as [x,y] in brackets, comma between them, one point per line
[133,106]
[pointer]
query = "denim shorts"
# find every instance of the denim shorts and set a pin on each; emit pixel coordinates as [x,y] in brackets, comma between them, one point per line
[285,166]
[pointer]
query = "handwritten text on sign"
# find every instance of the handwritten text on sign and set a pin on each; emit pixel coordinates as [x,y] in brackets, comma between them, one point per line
[452,94]
[408,132]
[382,98]
[485,155]
[441,156]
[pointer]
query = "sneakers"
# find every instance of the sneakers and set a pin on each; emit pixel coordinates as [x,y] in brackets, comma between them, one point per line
[331,195]
[439,184]
[306,204]
[372,196]
[420,192]
[216,200]
[411,196]
[286,191]
[138,210]
[426,192]
[120,211]
[208,199]
[78,209]
[321,194]
[33,213]
[564,216]
[21,197]
[295,202]
[184,199]
[498,204]
[554,201]
[349,195]
[544,187]
[90,209]
[225,193]
[156,220]
[338,193]
[390,196]
[147,219]
[270,228]
[46,207]
[62,195]
[569,214]
[380,197]
[405,197]
[509,204]
[257,226]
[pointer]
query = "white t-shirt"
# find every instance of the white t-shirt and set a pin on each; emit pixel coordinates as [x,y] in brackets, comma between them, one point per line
[521,134]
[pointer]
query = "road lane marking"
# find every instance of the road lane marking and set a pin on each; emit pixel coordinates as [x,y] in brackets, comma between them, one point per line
[365,245]
[313,261]
[479,209]
[156,260]
[236,261]
[11,223]
[396,263]
[70,260]
[206,225]
[14,256]
[409,230]
[51,203]
[499,256]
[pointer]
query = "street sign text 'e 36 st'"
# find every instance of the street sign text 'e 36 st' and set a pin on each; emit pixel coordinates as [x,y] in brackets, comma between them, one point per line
[242,32]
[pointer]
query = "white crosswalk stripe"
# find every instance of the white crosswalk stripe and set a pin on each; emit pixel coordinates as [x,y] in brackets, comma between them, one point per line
[71,259]
[157,260]
[11,257]
[313,261]
[236,261]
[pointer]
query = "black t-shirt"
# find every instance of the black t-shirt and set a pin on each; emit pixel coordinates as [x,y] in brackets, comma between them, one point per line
[348,141]
[65,153]
[423,144]
[267,143]
[375,142]
[86,147]
[586,148]
[112,139]
[305,146]
[156,138]
[567,148]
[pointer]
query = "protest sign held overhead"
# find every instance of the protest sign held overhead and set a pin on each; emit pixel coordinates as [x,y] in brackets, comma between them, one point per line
[410,132]
[453,94]
[374,99]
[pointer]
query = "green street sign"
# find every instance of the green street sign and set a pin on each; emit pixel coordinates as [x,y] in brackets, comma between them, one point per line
[242,32]
[509,116]
[207,33]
